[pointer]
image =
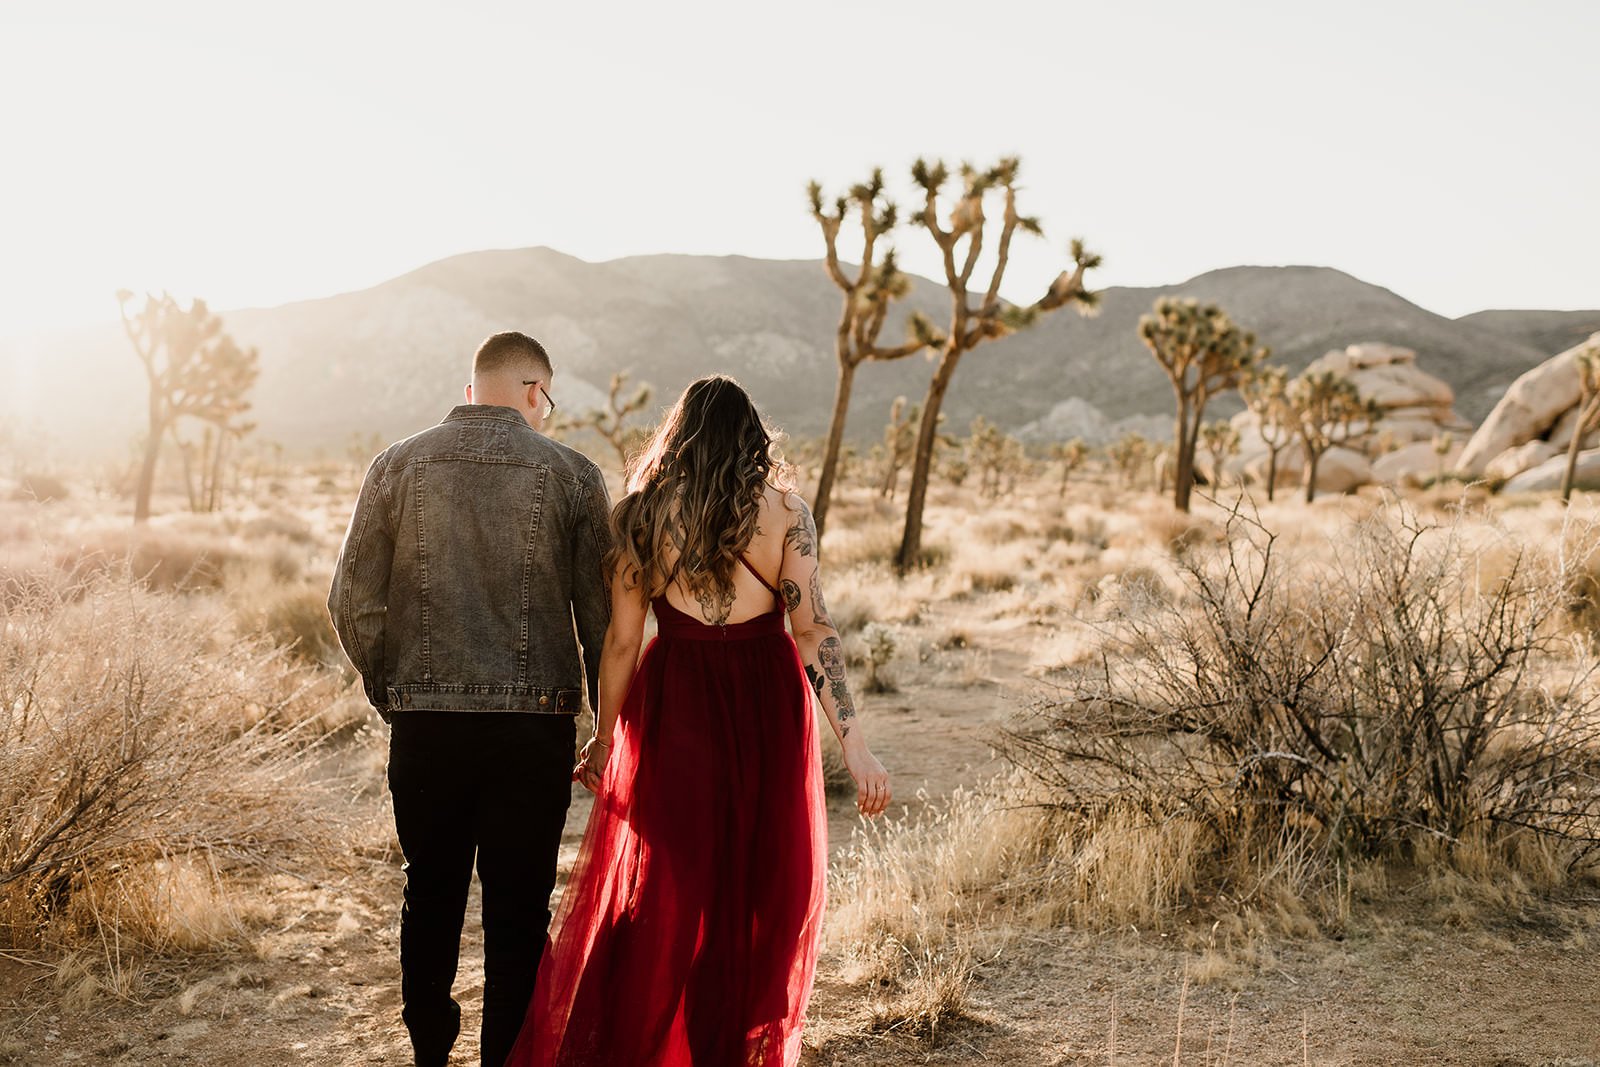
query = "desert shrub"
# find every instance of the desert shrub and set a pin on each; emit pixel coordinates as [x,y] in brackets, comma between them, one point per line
[164,559]
[881,643]
[1369,701]
[41,487]
[287,525]
[142,752]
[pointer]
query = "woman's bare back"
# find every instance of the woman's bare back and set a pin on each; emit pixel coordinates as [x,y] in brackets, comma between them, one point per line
[750,597]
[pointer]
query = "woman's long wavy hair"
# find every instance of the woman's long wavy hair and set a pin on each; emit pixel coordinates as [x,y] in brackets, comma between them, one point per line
[694,492]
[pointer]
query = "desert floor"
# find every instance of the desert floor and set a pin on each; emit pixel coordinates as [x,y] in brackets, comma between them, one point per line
[318,980]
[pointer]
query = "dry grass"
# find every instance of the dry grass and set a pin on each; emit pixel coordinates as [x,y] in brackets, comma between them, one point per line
[144,755]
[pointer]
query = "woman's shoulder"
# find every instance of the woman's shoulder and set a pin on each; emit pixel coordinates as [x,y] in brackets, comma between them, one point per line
[784,500]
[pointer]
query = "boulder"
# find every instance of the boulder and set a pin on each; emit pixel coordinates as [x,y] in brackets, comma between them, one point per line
[1530,408]
[1546,477]
[1341,470]
[1411,464]
[1388,374]
[1513,461]
[1560,434]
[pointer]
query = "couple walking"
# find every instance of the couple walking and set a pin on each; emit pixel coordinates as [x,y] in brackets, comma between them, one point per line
[481,557]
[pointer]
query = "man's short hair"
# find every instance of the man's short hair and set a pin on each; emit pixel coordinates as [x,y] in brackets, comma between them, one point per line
[511,349]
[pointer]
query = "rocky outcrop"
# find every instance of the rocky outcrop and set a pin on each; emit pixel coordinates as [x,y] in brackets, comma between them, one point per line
[1417,408]
[1413,464]
[1546,477]
[1539,406]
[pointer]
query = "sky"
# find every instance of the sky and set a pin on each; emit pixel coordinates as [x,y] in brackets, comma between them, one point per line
[257,154]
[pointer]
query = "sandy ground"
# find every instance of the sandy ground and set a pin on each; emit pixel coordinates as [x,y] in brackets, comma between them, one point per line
[322,986]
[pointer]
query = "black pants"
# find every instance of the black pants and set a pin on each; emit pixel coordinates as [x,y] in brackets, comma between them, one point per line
[494,786]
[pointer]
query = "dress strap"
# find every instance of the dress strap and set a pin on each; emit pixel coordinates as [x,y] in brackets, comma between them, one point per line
[749,567]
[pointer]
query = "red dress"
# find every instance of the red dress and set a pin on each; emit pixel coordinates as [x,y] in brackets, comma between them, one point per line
[687,934]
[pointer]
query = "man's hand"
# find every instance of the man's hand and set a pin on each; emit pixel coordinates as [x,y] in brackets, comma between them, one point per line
[591,766]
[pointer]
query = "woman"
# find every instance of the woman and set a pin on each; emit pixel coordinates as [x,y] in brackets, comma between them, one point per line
[687,934]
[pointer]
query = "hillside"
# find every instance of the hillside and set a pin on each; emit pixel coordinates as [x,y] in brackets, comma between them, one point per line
[1548,331]
[393,358]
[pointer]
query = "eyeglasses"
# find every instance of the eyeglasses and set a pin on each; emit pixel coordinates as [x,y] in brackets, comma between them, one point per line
[549,405]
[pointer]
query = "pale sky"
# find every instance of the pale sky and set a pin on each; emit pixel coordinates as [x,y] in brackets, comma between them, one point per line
[255,154]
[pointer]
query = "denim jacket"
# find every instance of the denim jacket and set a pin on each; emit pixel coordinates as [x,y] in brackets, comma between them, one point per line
[471,571]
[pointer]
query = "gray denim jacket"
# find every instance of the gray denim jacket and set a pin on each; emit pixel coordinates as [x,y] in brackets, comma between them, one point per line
[471,571]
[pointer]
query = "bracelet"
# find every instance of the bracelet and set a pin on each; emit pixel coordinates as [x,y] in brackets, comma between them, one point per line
[596,741]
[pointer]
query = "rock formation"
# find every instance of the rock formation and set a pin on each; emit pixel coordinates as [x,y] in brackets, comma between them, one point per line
[1417,408]
[1532,426]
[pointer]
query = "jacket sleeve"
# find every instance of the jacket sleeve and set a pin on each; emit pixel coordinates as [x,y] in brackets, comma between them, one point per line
[358,601]
[591,593]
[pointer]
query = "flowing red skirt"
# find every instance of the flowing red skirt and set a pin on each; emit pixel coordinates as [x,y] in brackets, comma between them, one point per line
[687,934]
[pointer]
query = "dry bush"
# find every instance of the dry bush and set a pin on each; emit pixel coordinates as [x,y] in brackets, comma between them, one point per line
[167,559]
[137,741]
[1373,700]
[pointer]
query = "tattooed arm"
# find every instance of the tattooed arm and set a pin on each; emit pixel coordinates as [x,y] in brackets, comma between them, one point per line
[822,652]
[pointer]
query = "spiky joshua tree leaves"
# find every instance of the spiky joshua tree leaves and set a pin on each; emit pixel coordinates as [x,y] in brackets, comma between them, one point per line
[1328,411]
[960,232]
[876,284]
[1204,353]
[192,368]
[1587,360]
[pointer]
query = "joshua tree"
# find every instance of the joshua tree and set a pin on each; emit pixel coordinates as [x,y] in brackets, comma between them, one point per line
[1128,454]
[612,423]
[960,239]
[1221,439]
[192,368]
[1204,354]
[877,283]
[899,436]
[1328,411]
[1587,360]
[1266,394]
[1071,455]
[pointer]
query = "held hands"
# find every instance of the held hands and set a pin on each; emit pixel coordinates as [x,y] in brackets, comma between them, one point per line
[591,766]
[872,781]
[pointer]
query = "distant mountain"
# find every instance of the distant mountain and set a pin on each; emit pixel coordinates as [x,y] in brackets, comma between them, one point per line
[393,358]
[1548,331]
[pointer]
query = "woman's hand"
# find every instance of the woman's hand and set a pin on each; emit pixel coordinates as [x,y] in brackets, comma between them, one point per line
[591,766]
[872,781]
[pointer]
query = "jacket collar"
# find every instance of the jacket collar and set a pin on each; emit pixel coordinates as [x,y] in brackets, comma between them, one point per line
[485,411]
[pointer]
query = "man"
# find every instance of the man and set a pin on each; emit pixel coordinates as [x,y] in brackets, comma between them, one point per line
[474,547]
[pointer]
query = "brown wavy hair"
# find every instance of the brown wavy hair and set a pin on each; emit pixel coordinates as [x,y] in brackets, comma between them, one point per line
[696,487]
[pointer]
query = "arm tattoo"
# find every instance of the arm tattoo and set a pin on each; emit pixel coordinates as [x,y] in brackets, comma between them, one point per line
[802,536]
[819,609]
[816,679]
[791,594]
[845,706]
[831,653]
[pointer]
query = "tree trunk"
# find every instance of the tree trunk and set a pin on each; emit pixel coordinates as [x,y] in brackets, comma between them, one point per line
[1311,474]
[1183,456]
[910,552]
[1586,414]
[1272,472]
[147,473]
[830,454]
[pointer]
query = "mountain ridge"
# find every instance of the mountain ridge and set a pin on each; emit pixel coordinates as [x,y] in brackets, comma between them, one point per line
[392,357]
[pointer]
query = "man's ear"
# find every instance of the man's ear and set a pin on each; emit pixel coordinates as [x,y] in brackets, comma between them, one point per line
[469,392]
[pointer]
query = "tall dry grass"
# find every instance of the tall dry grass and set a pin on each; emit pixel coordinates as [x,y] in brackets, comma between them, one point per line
[146,754]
